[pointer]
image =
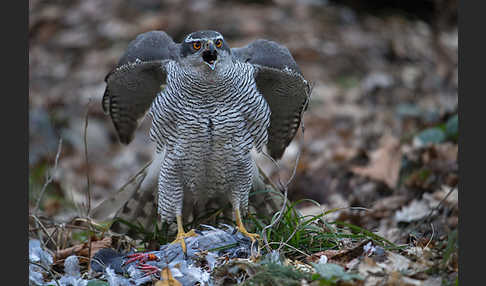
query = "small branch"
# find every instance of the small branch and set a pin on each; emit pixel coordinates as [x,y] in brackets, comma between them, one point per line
[290,237]
[88,185]
[134,177]
[86,158]
[284,187]
[265,239]
[46,269]
[44,229]
[48,178]
[439,205]
[290,246]
[431,237]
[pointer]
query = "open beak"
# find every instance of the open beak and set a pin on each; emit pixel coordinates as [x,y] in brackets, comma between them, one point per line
[210,55]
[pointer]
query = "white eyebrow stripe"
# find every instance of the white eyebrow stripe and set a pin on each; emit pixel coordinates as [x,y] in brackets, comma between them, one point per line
[191,39]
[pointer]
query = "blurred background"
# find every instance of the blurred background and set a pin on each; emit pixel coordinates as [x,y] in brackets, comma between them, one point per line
[379,128]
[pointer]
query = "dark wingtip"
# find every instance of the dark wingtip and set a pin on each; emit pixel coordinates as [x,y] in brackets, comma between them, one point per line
[125,139]
[105,102]
[277,153]
[123,136]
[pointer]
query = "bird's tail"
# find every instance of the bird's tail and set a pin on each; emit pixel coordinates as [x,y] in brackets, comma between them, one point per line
[140,210]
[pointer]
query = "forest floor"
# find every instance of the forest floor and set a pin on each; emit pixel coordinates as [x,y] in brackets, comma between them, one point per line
[377,161]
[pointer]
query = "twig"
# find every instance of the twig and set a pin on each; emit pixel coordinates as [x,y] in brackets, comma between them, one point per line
[432,236]
[48,177]
[135,176]
[65,226]
[86,158]
[90,242]
[265,239]
[44,229]
[88,191]
[291,235]
[439,205]
[282,186]
[290,246]
[46,269]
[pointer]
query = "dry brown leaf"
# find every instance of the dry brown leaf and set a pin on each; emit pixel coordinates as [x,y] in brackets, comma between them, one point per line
[395,270]
[83,249]
[445,154]
[342,153]
[416,210]
[389,203]
[340,257]
[51,206]
[384,163]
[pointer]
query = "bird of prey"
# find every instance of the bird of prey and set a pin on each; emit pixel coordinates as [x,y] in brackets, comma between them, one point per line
[210,106]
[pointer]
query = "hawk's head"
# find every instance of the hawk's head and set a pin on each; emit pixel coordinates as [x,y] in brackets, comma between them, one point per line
[205,47]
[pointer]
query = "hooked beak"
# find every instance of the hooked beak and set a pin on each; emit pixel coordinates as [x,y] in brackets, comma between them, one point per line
[210,55]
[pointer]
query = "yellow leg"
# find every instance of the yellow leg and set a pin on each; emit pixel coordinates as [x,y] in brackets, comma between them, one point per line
[166,279]
[241,227]
[181,234]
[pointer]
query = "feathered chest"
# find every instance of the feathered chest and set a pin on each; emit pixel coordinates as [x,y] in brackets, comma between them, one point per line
[218,112]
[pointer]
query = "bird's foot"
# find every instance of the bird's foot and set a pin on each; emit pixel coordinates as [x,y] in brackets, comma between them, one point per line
[253,236]
[140,257]
[166,279]
[148,269]
[241,227]
[180,238]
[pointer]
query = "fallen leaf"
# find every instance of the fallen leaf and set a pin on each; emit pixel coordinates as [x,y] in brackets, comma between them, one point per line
[342,153]
[452,127]
[385,162]
[334,272]
[441,154]
[51,206]
[413,212]
[340,257]
[83,249]
[383,207]
[429,136]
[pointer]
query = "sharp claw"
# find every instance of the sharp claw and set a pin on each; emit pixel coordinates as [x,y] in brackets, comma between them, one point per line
[180,239]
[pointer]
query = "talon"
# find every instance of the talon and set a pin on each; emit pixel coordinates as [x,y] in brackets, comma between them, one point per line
[180,238]
[253,236]
[181,234]
[239,224]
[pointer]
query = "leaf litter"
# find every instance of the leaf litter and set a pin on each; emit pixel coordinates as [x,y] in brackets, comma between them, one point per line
[378,160]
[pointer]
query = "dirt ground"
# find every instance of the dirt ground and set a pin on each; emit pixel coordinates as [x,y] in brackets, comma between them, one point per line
[385,85]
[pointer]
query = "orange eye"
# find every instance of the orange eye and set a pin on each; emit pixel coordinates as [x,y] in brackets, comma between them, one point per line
[218,43]
[196,45]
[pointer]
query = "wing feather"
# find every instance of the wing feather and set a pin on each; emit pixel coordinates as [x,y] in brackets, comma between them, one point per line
[133,84]
[283,86]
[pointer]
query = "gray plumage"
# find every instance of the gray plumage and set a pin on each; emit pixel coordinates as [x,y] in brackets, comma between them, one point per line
[209,108]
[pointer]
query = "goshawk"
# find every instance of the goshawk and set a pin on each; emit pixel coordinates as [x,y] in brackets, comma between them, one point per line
[210,106]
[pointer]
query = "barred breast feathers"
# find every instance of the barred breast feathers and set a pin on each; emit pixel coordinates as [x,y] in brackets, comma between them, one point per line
[221,108]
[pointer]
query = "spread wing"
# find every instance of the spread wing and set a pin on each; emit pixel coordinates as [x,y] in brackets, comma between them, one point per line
[133,84]
[281,82]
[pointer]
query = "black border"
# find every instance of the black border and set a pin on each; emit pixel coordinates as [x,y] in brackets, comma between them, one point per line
[471,85]
[15,136]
